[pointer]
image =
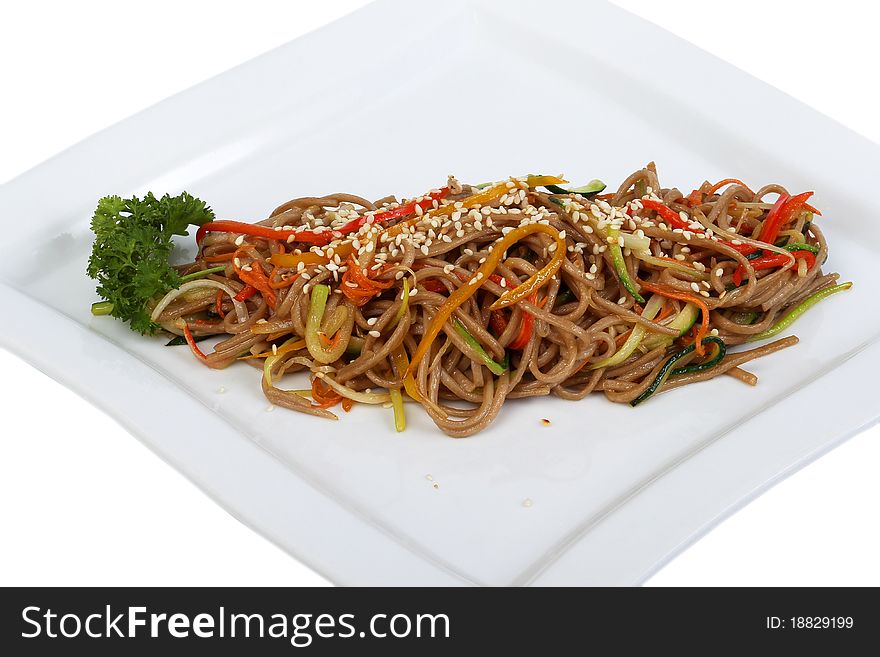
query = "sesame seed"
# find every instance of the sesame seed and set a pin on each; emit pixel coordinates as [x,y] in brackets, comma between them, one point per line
[695,287]
[621,301]
[372,320]
[719,272]
[704,293]
[375,334]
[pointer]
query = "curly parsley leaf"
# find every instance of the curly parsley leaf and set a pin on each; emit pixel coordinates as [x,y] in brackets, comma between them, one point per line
[133,244]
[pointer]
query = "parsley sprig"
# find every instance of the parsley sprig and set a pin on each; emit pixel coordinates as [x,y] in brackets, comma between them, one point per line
[133,244]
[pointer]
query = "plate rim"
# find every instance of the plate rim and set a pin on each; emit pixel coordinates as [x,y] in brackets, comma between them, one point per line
[374,565]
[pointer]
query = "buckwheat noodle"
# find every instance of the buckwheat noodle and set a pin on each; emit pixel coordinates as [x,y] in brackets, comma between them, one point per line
[622,314]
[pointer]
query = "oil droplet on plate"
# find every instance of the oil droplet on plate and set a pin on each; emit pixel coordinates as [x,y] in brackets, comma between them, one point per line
[436,486]
[429,477]
[527,503]
[545,422]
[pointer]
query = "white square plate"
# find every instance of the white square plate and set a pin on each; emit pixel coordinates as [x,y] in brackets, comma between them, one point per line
[391,99]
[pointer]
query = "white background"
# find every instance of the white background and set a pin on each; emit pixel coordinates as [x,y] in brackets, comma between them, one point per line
[81,502]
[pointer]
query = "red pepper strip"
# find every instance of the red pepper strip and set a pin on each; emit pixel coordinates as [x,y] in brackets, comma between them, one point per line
[772,261]
[246,293]
[667,214]
[267,232]
[404,210]
[525,331]
[218,304]
[192,344]
[673,218]
[256,277]
[433,285]
[783,210]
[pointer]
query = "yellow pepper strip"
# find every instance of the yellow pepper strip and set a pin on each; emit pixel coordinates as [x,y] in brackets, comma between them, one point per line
[400,361]
[467,290]
[541,277]
[344,249]
[283,349]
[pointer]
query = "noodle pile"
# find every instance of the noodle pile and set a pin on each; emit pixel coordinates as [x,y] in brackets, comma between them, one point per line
[468,296]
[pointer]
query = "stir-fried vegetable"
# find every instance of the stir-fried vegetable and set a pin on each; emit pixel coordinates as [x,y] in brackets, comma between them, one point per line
[399,412]
[266,232]
[785,208]
[352,394]
[464,292]
[800,246]
[201,274]
[187,333]
[667,368]
[745,317]
[652,308]
[405,210]
[496,368]
[773,261]
[620,265]
[672,293]
[590,189]
[357,285]
[316,347]
[404,302]
[671,263]
[345,249]
[792,315]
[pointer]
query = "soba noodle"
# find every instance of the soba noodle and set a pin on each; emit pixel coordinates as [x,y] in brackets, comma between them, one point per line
[376,300]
